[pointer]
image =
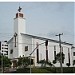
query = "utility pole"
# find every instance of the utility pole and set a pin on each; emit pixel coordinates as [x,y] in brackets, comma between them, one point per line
[33,52]
[60,52]
[30,63]
[2,62]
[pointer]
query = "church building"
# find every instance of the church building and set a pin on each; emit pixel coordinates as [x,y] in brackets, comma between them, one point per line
[23,44]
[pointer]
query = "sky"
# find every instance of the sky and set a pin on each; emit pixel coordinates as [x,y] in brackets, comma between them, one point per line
[45,19]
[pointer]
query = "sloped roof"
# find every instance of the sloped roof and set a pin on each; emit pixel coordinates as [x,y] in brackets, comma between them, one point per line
[42,38]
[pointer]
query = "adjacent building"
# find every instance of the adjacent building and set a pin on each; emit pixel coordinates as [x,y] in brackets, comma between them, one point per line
[4,48]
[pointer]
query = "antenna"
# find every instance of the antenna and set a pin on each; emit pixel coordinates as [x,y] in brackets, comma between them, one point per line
[19,3]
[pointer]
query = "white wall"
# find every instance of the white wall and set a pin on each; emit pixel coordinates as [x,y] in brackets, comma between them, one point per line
[19,25]
[26,41]
[42,51]
[11,45]
[31,43]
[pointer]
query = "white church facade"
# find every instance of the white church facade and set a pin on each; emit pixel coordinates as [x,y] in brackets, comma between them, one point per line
[26,43]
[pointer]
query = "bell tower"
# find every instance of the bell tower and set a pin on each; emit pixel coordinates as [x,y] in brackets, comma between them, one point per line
[19,22]
[19,27]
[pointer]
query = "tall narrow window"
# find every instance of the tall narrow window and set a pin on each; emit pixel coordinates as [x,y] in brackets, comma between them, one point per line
[73,62]
[32,61]
[46,44]
[54,47]
[47,55]
[0,45]
[11,51]
[62,54]
[55,55]
[73,53]
[55,52]
[37,53]
[68,55]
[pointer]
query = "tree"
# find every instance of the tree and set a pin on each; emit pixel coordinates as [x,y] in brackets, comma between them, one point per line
[44,62]
[23,61]
[26,61]
[19,61]
[6,61]
[57,58]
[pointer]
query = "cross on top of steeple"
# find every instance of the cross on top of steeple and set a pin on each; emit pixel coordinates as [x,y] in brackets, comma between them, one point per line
[19,9]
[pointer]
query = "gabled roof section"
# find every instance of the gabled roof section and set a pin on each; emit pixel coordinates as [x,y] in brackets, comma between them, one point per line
[42,38]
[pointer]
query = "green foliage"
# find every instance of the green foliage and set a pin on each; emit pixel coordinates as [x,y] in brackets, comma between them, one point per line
[68,64]
[26,61]
[73,62]
[33,70]
[58,57]
[23,70]
[39,70]
[47,70]
[49,63]
[54,61]
[0,60]
[44,62]
[6,61]
[23,61]
[19,61]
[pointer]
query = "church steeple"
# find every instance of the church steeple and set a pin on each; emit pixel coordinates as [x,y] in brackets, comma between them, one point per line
[19,14]
[19,22]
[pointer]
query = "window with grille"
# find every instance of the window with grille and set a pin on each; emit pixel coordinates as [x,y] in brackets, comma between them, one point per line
[73,53]
[11,51]
[26,48]
[0,45]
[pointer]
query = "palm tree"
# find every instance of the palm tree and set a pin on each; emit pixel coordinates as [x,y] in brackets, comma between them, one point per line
[44,63]
[57,58]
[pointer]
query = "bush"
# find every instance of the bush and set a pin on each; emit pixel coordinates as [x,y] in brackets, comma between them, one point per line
[46,70]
